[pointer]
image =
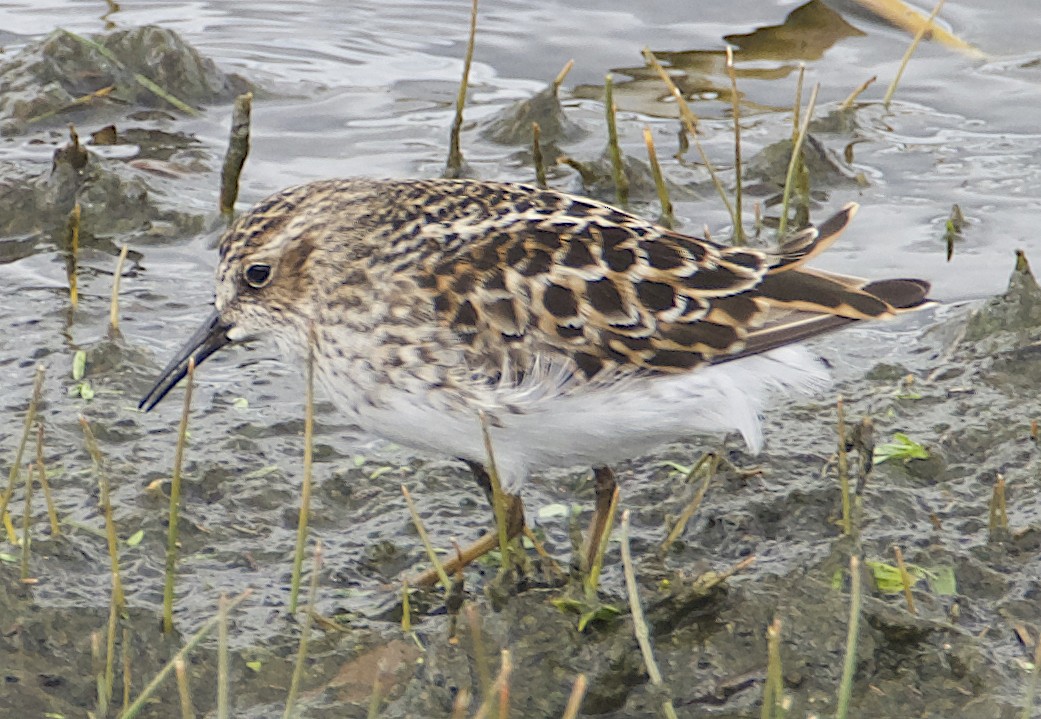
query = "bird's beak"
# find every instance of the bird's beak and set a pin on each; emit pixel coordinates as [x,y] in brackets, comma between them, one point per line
[207,339]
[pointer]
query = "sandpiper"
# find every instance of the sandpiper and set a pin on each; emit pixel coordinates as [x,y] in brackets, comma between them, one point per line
[583,334]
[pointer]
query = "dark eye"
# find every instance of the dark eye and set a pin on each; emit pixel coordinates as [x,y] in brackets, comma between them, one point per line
[258,275]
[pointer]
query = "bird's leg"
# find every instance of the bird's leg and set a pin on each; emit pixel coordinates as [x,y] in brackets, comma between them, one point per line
[604,486]
[488,542]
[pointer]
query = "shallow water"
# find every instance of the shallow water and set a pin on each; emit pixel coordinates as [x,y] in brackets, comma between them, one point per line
[369,90]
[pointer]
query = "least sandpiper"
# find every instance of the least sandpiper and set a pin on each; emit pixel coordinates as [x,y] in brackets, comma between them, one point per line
[584,334]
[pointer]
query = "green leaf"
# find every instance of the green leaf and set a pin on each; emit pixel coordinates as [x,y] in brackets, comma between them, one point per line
[9,558]
[902,448]
[550,511]
[135,539]
[837,578]
[887,576]
[942,581]
[240,403]
[255,665]
[79,365]
[85,390]
[602,613]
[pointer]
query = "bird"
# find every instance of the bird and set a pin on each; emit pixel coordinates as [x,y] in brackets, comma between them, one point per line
[439,313]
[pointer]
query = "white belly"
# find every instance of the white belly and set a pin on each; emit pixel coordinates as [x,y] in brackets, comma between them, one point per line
[595,424]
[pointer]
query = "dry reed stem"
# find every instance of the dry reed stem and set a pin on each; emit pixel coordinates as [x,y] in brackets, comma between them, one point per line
[926,27]
[305,634]
[52,513]
[175,502]
[16,465]
[113,306]
[643,635]
[425,539]
[735,104]
[793,163]
[849,664]
[303,516]
[667,218]
[146,694]
[106,506]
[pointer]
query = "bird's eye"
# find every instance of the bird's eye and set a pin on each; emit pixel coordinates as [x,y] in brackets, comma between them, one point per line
[257,275]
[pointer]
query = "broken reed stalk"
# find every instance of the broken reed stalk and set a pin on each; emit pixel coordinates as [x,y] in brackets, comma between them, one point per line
[406,609]
[461,703]
[773,687]
[305,484]
[681,523]
[183,690]
[536,156]
[223,660]
[425,539]
[574,702]
[113,306]
[842,464]
[146,694]
[643,636]
[73,230]
[106,507]
[375,697]
[849,664]
[454,168]
[735,103]
[621,182]
[559,79]
[926,27]
[498,497]
[793,163]
[998,521]
[667,218]
[305,634]
[484,677]
[175,502]
[848,102]
[52,513]
[905,579]
[502,680]
[12,477]
[593,580]
[1028,700]
[690,122]
[235,157]
[27,519]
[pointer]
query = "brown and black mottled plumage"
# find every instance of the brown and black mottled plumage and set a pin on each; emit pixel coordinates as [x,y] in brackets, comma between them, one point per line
[583,334]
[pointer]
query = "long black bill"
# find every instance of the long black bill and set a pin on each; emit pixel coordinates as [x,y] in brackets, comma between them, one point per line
[207,339]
